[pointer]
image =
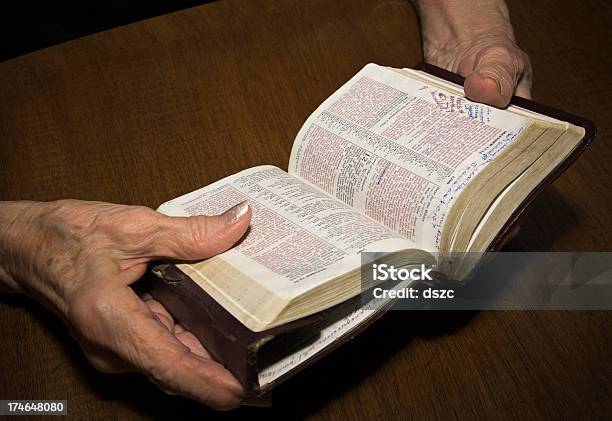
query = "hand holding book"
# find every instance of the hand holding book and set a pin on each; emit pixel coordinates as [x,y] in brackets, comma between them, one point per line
[80,258]
[475,39]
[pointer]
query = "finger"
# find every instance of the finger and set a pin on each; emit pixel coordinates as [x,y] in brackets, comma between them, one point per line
[199,237]
[524,89]
[264,401]
[109,363]
[494,78]
[167,322]
[190,341]
[161,313]
[136,337]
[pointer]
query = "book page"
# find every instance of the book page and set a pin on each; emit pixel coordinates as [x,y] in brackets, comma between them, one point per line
[337,323]
[299,236]
[458,90]
[399,149]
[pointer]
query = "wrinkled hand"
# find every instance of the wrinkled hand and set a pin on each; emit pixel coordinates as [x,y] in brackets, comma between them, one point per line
[79,258]
[475,39]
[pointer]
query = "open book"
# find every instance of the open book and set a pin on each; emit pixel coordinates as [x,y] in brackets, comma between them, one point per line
[396,159]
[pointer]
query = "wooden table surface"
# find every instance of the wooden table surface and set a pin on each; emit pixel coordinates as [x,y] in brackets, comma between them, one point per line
[146,112]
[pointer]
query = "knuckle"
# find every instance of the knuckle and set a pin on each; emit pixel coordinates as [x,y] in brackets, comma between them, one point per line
[198,231]
[134,221]
[131,226]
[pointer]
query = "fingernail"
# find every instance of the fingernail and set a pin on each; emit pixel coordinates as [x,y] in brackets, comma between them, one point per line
[234,214]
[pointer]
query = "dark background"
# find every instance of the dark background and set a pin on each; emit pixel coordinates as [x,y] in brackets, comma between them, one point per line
[30,25]
[107,117]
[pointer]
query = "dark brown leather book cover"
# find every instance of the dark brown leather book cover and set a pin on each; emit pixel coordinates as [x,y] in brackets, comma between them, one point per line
[224,337]
[238,348]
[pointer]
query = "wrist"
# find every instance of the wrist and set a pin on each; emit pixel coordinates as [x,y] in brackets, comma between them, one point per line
[15,220]
[26,251]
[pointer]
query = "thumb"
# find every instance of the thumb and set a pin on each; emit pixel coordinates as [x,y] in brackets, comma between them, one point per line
[199,237]
[493,80]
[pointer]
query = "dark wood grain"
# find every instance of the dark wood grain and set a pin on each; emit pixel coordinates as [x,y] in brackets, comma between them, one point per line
[143,113]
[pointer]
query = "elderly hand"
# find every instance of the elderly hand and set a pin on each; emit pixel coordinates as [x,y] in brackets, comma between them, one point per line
[79,259]
[474,38]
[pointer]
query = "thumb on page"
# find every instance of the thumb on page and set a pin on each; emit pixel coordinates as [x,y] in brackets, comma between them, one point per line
[498,73]
[199,237]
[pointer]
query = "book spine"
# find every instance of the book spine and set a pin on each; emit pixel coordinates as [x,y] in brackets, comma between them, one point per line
[230,343]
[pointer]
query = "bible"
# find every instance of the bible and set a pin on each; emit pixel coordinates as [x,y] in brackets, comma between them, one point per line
[394,160]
